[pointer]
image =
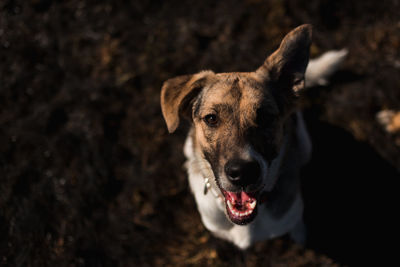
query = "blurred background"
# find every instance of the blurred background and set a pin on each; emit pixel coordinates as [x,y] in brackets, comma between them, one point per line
[90,176]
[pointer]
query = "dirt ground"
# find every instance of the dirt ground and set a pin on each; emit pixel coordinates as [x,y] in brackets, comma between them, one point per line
[90,176]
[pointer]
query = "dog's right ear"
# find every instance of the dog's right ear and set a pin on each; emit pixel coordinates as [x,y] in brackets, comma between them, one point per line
[285,68]
[178,94]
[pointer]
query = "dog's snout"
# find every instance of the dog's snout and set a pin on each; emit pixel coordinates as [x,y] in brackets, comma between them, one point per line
[242,172]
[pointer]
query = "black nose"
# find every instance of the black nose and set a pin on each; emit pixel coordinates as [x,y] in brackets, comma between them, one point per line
[242,172]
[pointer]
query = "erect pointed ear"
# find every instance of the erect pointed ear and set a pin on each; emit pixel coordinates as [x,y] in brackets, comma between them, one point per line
[286,67]
[177,95]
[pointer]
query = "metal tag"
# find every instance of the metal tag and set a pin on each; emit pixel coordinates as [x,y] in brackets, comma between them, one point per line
[206,185]
[205,189]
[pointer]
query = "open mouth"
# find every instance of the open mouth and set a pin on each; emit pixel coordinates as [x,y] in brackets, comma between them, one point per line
[241,206]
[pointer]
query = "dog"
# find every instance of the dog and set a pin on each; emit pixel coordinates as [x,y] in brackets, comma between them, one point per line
[248,141]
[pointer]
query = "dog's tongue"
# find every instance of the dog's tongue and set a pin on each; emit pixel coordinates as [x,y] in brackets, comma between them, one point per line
[240,197]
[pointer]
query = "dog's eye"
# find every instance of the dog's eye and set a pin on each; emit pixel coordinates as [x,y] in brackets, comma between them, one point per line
[211,119]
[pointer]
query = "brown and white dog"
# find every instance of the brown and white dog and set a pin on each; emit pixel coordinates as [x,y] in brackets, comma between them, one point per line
[248,142]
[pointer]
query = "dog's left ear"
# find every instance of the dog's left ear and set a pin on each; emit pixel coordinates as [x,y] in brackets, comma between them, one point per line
[285,69]
[177,95]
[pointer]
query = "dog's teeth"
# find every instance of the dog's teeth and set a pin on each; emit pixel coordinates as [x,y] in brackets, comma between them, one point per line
[230,205]
[238,213]
[253,204]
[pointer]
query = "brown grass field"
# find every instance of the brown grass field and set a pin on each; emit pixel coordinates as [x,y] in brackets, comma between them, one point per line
[91,177]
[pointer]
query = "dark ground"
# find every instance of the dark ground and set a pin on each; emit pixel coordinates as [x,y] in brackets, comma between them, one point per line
[90,177]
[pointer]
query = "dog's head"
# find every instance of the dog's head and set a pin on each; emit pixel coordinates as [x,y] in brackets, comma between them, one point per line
[238,120]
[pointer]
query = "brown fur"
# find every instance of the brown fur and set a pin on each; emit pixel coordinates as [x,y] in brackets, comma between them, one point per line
[251,107]
[236,98]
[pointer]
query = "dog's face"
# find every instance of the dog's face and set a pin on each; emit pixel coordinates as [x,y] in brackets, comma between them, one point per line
[238,120]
